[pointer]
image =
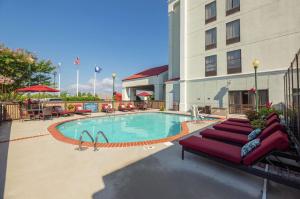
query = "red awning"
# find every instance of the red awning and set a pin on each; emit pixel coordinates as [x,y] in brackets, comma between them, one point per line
[144,94]
[37,88]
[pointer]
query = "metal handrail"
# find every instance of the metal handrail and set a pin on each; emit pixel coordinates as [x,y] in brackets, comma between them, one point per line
[81,135]
[96,139]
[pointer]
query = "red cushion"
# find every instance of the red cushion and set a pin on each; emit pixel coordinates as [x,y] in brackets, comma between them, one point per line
[276,141]
[84,111]
[237,124]
[272,120]
[225,136]
[271,129]
[238,120]
[271,115]
[214,148]
[233,129]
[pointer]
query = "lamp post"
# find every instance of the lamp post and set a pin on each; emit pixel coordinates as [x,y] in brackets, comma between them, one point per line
[255,64]
[113,90]
[58,69]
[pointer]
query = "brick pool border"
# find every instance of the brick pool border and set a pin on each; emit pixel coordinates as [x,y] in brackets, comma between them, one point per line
[58,136]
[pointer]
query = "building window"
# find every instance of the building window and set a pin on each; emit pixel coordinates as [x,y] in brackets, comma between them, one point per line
[211,39]
[211,65]
[234,62]
[232,6]
[210,12]
[233,32]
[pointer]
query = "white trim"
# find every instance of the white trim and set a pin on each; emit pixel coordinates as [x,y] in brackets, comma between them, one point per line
[266,72]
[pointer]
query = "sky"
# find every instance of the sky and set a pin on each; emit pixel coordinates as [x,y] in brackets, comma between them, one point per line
[121,36]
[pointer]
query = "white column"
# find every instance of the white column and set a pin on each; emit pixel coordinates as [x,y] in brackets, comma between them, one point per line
[183,55]
[158,91]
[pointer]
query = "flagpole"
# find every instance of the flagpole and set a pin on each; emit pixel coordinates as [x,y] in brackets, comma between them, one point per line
[77,89]
[95,76]
[59,65]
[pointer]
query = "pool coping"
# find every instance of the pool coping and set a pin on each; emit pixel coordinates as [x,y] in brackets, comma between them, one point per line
[59,136]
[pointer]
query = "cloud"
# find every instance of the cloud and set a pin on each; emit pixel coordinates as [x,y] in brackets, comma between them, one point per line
[103,87]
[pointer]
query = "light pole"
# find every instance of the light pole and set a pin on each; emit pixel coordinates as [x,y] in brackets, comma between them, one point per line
[255,64]
[97,70]
[58,69]
[113,90]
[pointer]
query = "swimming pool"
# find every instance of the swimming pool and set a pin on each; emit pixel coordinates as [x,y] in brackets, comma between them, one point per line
[127,128]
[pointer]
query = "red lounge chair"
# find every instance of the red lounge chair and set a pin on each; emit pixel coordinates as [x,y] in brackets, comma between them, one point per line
[59,111]
[230,155]
[80,110]
[276,141]
[237,138]
[130,107]
[241,129]
[122,107]
[107,108]
[247,121]
[237,124]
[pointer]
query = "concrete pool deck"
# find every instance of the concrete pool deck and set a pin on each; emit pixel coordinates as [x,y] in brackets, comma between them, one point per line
[42,167]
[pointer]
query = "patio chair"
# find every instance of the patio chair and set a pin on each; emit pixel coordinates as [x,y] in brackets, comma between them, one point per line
[107,108]
[46,113]
[122,107]
[80,110]
[143,106]
[231,155]
[60,111]
[130,107]
[239,139]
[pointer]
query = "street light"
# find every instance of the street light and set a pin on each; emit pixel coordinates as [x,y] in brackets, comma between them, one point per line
[255,65]
[113,90]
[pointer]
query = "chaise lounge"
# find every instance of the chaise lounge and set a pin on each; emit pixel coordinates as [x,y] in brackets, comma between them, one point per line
[231,155]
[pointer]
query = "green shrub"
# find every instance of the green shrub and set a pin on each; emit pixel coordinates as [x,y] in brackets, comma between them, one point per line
[258,123]
[71,107]
[252,115]
[162,108]
[264,112]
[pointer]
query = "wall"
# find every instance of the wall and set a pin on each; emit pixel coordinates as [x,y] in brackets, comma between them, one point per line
[270,32]
[128,86]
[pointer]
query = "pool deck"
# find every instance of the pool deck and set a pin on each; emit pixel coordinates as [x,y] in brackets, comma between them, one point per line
[35,165]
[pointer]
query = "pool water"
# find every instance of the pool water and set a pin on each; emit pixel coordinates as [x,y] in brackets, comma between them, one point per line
[126,128]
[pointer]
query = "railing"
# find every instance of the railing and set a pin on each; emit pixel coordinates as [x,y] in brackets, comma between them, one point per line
[242,108]
[81,137]
[1,113]
[11,110]
[97,137]
[292,100]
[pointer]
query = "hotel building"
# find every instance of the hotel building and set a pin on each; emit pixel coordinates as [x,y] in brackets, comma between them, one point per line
[212,44]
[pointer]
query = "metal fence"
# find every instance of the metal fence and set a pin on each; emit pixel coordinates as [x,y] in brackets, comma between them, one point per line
[292,100]
[11,110]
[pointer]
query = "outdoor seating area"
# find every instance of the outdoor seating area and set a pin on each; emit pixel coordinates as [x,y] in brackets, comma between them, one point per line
[237,144]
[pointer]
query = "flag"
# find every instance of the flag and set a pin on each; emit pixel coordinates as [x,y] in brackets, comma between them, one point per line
[77,61]
[98,69]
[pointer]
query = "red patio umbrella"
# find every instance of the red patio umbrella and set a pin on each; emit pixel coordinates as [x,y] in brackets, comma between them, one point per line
[144,94]
[37,88]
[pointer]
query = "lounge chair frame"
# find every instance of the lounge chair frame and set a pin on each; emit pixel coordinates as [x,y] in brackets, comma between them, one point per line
[255,171]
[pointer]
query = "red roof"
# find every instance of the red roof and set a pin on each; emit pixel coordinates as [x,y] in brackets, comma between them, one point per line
[173,79]
[148,73]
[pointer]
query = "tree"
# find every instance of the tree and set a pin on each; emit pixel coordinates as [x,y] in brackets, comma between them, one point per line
[24,68]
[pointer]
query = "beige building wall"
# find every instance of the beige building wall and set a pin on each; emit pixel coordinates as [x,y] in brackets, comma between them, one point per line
[269,31]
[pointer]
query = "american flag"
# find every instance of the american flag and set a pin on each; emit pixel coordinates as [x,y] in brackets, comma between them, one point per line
[77,61]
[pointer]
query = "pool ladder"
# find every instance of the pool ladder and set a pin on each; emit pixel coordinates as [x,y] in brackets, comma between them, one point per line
[92,139]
